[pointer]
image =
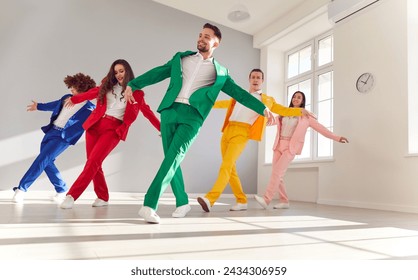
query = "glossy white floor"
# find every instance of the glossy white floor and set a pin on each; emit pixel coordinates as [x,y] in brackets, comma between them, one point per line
[40,230]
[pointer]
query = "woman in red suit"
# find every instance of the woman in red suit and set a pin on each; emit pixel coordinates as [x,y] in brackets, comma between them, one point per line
[288,143]
[107,125]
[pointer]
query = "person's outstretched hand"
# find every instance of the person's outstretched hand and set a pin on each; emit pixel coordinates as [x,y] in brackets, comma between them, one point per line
[128,95]
[343,140]
[32,107]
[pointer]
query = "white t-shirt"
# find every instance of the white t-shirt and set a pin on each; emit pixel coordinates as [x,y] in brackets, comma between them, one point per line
[244,114]
[197,73]
[116,104]
[67,113]
[288,126]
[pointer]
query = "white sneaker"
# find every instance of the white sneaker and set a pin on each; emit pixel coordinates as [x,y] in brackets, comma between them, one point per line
[58,197]
[181,211]
[261,201]
[99,203]
[205,203]
[68,202]
[239,207]
[19,196]
[281,205]
[149,215]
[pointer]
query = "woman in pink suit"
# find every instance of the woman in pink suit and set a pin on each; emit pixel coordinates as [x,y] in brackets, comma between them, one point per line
[288,143]
[107,125]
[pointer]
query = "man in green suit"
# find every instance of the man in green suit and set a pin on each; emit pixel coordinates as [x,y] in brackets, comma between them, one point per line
[195,82]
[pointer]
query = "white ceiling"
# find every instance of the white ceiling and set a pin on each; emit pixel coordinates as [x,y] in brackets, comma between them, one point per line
[262,12]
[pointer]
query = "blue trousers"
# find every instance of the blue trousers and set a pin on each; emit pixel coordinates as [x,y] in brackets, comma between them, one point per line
[52,146]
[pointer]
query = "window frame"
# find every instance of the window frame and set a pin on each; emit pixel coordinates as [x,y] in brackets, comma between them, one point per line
[313,74]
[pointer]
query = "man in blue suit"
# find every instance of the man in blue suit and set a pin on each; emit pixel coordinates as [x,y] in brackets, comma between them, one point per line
[63,130]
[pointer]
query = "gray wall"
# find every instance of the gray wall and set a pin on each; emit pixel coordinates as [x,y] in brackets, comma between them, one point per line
[43,41]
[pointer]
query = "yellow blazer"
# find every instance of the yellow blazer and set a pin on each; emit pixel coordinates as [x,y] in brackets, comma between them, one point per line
[257,129]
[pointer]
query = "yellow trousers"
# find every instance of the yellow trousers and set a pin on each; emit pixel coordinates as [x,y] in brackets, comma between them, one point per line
[234,140]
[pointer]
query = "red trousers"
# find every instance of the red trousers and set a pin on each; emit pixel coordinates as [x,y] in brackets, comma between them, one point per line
[101,139]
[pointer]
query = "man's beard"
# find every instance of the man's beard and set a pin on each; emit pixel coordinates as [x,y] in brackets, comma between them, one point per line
[202,48]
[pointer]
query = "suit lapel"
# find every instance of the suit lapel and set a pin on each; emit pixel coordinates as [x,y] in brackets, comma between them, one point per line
[221,75]
[176,72]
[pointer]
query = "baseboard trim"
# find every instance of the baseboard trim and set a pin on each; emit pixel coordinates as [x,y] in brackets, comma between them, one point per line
[368,205]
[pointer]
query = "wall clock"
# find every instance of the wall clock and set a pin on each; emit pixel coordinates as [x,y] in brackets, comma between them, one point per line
[365,82]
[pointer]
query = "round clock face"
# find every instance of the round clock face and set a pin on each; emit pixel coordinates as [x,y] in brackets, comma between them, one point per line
[365,82]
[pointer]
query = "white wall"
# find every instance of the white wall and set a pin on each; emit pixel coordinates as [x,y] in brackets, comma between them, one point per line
[373,170]
[412,7]
[43,41]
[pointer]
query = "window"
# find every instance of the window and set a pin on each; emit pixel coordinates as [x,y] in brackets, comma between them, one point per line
[309,69]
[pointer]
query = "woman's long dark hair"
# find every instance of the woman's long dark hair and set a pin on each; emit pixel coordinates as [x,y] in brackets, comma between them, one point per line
[110,80]
[302,105]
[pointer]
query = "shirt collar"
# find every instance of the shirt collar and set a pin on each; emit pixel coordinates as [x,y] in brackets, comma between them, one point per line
[258,91]
[201,57]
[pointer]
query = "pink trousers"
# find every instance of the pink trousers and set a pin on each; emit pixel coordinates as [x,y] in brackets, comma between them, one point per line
[281,160]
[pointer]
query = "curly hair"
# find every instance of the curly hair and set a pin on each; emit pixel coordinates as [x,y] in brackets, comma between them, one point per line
[110,80]
[79,82]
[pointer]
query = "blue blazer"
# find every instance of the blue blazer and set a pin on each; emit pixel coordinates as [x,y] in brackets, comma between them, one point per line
[74,127]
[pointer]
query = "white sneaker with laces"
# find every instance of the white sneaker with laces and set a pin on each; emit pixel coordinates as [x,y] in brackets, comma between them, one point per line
[58,197]
[261,201]
[239,207]
[19,196]
[99,203]
[68,202]
[181,211]
[282,205]
[149,215]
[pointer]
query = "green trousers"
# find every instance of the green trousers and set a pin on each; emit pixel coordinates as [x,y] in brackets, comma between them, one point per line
[180,124]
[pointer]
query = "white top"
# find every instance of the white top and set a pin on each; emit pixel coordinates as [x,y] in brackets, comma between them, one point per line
[197,73]
[244,114]
[288,126]
[116,104]
[67,113]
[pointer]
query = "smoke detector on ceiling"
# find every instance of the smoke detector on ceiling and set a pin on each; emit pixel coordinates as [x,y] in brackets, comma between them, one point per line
[239,13]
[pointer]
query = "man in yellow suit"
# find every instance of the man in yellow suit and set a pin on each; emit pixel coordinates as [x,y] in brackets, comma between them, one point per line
[241,124]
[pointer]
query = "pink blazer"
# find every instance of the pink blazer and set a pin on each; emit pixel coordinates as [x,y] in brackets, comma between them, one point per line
[298,137]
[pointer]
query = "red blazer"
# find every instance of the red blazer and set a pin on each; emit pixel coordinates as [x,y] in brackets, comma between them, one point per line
[131,111]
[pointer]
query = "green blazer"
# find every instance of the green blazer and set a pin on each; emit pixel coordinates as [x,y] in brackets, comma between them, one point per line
[203,98]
